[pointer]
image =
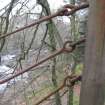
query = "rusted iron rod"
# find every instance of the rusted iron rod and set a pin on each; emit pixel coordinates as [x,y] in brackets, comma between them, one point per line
[29,68]
[49,95]
[75,8]
[45,18]
[68,47]
[37,64]
[63,12]
[72,82]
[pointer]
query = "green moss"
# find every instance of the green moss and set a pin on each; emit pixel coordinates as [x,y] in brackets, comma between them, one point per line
[76,100]
[79,68]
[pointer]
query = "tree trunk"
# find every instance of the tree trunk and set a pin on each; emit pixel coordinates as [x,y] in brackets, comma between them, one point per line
[52,33]
[54,77]
[47,11]
[93,83]
[73,37]
[72,25]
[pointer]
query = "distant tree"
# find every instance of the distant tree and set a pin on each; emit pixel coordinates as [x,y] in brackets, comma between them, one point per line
[5,26]
[52,32]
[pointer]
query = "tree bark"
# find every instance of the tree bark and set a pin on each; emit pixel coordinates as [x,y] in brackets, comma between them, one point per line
[93,83]
[73,37]
[47,11]
[52,33]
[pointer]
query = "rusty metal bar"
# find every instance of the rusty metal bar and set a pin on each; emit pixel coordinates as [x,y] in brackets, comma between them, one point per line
[68,47]
[36,64]
[28,69]
[49,95]
[45,18]
[63,12]
[75,8]
[72,80]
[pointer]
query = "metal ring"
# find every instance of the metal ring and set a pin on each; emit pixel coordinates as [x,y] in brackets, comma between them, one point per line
[67,81]
[67,47]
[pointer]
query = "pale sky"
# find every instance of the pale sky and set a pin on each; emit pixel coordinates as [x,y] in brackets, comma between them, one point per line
[3,3]
[53,3]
